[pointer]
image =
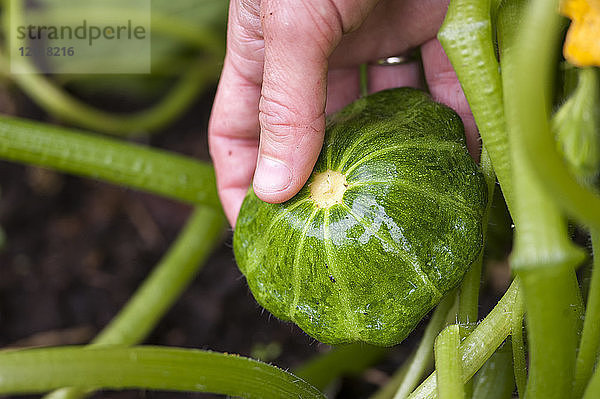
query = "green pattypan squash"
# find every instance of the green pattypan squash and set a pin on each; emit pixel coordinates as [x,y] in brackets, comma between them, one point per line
[389,222]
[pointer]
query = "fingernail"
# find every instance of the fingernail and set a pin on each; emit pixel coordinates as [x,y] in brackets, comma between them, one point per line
[271,175]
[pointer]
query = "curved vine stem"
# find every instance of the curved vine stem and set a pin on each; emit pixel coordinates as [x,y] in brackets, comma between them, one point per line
[159,172]
[543,256]
[466,36]
[41,370]
[66,107]
[535,56]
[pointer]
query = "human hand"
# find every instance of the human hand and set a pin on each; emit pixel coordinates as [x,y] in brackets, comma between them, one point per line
[290,62]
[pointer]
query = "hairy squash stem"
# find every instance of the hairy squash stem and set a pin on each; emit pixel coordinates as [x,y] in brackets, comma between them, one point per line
[479,346]
[170,369]
[543,256]
[172,275]
[406,378]
[156,171]
[448,364]
[64,106]
[466,36]
[135,166]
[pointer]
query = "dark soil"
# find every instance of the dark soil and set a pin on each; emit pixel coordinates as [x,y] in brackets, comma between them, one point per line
[76,249]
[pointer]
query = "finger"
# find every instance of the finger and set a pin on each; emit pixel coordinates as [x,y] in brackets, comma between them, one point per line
[299,38]
[445,88]
[387,77]
[233,140]
[343,87]
[234,128]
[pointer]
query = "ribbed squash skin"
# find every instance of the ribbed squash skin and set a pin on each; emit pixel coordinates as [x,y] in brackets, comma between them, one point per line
[408,228]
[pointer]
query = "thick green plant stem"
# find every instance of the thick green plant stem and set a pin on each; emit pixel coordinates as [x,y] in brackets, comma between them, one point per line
[156,171]
[553,330]
[495,379]
[62,105]
[466,36]
[340,361]
[535,56]
[543,256]
[448,365]
[41,370]
[481,343]
[172,275]
[587,355]
[406,378]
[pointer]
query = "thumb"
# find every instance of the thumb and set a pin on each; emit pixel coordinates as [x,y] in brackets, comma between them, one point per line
[299,37]
[292,104]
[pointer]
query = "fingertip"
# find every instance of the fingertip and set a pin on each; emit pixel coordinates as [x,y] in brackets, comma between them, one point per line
[287,156]
[275,182]
[290,141]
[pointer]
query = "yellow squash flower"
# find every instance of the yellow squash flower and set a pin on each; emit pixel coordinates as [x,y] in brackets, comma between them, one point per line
[582,45]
